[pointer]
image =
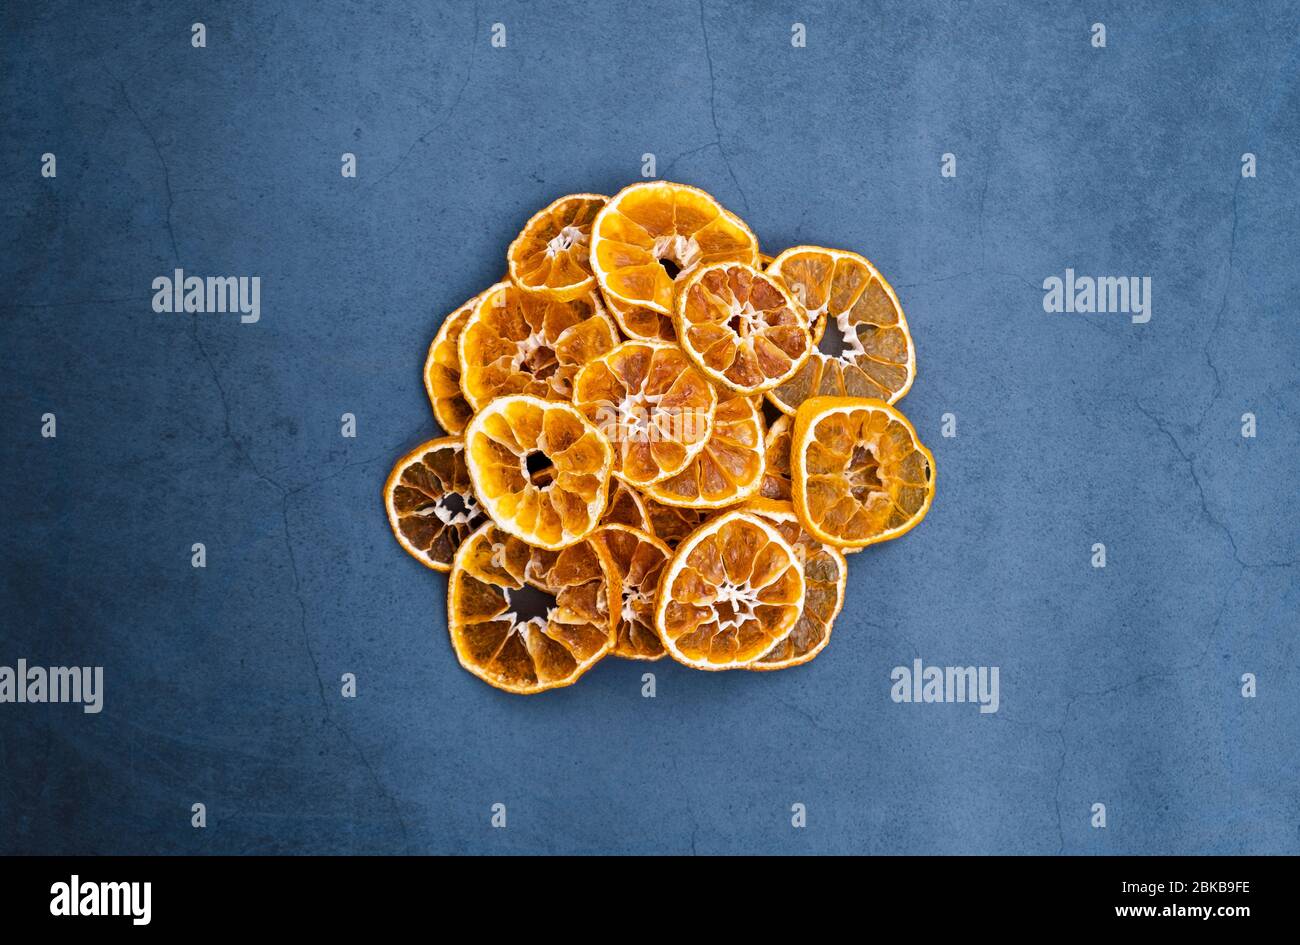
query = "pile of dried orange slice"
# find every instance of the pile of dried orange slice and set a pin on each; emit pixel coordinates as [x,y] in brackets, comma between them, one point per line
[660,441]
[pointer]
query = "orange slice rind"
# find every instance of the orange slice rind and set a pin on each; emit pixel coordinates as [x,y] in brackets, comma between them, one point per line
[442,372]
[741,327]
[551,256]
[515,342]
[509,439]
[653,223]
[430,502]
[524,619]
[732,591]
[859,473]
[845,296]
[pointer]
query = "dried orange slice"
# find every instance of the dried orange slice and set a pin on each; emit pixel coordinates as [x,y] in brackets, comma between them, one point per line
[776,465]
[442,372]
[651,403]
[509,440]
[732,590]
[551,256]
[825,575]
[625,506]
[741,327]
[525,619]
[651,234]
[518,343]
[431,505]
[671,523]
[637,321]
[867,350]
[638,559]
[730,467]
[858,471]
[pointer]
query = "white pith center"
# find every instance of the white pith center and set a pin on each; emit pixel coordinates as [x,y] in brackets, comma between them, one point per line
[683,250]
[742,598]
[852,343]
[563,240]
[446,515]
[751,320]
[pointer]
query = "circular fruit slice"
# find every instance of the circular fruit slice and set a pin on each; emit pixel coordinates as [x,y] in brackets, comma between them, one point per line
[431,505]
[637,321]
[825,575]
[638,560]
[525,619]
[671,523]
[651,234]
[518,343]
[858,471]
[741,327]
[866,350]
[442,372]
[513,439]
[625,507]
[551,256]
[732,590]
[776,464]
[730,467]
[651,403]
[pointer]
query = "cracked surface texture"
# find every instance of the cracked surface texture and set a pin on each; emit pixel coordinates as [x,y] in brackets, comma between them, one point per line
[1118,685]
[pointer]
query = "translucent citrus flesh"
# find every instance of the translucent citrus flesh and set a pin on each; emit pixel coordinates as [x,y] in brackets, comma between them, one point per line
[638,559]
[652,405]
[519,343]
[741,327]
[637,321]
[552,254]
[551,511]
[730,467]
[442,372]
[671,523]
[493,574]
[730,593]
[659,220]
[844,294]
[825,575]
[625,506]
[776,469]
[860,475]
[430,502]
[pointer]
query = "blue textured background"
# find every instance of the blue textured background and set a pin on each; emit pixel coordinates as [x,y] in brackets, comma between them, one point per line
[1119,686]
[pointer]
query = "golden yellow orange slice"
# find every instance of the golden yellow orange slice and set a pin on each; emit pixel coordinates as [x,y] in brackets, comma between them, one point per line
[651,403]
[515,342]
[859,473]
[866,350]
[551,256]
[442,372]
[671,523]
[638,559]
[825,576]
[730,467]
[430,502]
[525,619]
[653,233]
[513,438]
[741,327]
[732,590]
